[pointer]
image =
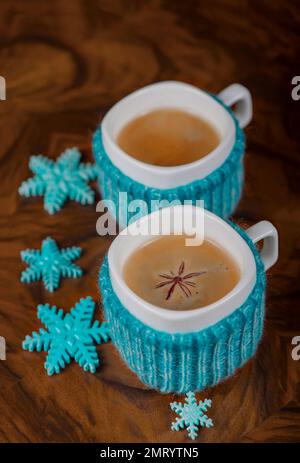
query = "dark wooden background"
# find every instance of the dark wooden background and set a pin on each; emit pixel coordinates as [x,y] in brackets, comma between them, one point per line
[65,63]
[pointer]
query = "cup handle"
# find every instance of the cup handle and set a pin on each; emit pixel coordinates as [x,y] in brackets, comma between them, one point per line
[265,231]
[237,94]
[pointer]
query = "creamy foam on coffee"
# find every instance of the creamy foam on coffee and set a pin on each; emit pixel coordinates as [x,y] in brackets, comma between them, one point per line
[171,275]
[168,137]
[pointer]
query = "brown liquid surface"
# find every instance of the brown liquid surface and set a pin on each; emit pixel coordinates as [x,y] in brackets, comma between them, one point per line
[168,137]
[162,260]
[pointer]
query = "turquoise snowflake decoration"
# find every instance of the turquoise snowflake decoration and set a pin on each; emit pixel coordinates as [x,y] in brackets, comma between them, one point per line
[191,415]
[57,181]
[50,264]
[69,336]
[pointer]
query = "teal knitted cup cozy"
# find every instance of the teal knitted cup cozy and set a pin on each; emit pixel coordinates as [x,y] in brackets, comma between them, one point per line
[220,190]
[191,361]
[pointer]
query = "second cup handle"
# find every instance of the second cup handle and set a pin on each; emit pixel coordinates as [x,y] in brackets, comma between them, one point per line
[265,231]
[237,94]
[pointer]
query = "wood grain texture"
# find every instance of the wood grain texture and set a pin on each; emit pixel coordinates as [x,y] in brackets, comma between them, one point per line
[65,64]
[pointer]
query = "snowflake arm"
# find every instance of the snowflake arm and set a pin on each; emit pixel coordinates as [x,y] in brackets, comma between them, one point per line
[177,407]
[178,424]
[99,332]
[57,358]
[36,186]
[204,420]
[40,165]
[55,197]
[31,274]
[191,415]
[86,356]
[191,399]
[71,271]
[37,341]
[49,247]
[30,256]
[82,312]
[51,317]
[32,187]
[205,404]
[81,192]
[69,159]
[51,278]
[192,430]
[87,171]
[71,253]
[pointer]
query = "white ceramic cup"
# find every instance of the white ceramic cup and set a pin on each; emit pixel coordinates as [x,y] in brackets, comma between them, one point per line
[216,230]
[171,94]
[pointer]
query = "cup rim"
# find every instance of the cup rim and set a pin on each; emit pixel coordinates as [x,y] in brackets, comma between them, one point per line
[198,169]
[199,318]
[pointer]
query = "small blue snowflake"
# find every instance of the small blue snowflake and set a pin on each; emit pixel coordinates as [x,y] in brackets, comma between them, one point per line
[65,178]
[50,264]
[68,336]
[191,415]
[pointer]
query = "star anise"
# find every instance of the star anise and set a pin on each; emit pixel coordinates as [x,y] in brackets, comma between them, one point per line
[181,280]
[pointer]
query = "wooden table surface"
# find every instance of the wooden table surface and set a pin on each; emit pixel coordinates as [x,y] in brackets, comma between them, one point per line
[65,64]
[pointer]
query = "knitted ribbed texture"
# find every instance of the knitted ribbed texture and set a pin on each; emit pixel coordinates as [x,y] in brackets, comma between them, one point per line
[220,190]
[191,361]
